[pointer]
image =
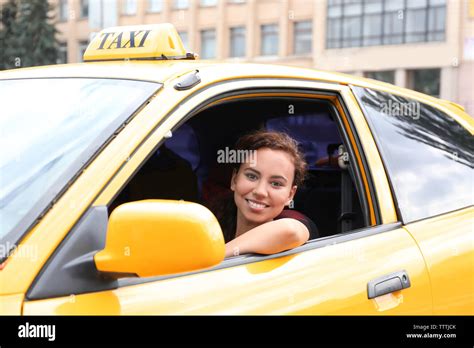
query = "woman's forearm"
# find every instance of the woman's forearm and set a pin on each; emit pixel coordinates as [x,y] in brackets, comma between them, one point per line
[270,238]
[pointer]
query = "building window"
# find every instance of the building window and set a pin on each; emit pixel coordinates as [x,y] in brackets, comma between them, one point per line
[436,20]
[62,53]
[393,18]
[184,39]
[237,42]
[180,4]
[63,10]
[104,14]
[129,7]
[372,34]
[208,44]
[155,6]
[269,40]
[303,37]
[416,20]
[384,76]
[354,23]
[425,81]
[207,3]
[82,48]
[84,8]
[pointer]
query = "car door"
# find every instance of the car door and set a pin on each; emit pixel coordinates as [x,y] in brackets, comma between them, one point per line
[330,275]
[428,154]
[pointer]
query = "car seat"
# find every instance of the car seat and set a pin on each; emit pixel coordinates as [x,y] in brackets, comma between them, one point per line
[169,173]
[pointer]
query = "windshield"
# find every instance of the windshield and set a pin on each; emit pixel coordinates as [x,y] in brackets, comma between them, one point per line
[49,129]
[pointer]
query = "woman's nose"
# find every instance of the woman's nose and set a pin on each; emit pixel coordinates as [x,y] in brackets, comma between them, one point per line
[260,189]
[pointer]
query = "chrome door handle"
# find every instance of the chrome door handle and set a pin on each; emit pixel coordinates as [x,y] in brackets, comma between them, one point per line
[388,283]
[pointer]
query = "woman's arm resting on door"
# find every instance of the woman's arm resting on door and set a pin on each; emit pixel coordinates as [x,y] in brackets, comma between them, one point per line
[269,238]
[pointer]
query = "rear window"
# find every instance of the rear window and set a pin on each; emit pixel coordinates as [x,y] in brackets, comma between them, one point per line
[50,128]
[428,155]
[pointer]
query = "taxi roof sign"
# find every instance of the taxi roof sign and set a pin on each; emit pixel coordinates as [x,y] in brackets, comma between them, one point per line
[156,41]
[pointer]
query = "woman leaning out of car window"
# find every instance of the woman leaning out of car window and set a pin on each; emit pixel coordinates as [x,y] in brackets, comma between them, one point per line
[253,219]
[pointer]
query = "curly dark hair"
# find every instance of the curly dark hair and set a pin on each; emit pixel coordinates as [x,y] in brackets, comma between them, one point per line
[255,140]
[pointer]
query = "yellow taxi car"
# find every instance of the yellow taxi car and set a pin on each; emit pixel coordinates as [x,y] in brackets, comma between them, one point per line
[108,168]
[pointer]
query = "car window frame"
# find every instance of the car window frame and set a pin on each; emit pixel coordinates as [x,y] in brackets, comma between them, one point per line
[106,198]
[330,89]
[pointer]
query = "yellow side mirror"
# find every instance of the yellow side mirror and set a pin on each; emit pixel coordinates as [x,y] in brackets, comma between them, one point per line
[159,237]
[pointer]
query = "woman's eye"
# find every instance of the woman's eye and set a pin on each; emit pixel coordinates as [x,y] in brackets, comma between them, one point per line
[276,184]
[251,176]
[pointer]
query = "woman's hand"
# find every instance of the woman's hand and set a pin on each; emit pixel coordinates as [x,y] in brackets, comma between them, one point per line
[269,238]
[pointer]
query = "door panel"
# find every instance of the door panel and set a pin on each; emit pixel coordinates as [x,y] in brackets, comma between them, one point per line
[447,244]
[327,280]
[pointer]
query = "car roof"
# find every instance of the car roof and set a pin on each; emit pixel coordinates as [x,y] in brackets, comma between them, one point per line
[162,71]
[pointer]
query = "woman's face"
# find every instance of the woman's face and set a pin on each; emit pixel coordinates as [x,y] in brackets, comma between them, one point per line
[264,186]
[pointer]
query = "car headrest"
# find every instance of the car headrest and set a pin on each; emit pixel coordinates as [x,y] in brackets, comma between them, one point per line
[184,143]
[314,132]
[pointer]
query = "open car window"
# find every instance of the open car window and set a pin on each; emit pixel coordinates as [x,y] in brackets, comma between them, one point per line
[187,166]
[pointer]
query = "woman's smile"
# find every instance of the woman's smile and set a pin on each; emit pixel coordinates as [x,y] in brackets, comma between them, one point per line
[256,205]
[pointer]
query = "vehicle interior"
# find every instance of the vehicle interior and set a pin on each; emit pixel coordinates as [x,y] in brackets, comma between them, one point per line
[185,166]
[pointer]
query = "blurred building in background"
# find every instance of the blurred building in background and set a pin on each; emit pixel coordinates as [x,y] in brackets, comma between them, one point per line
[426,45]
